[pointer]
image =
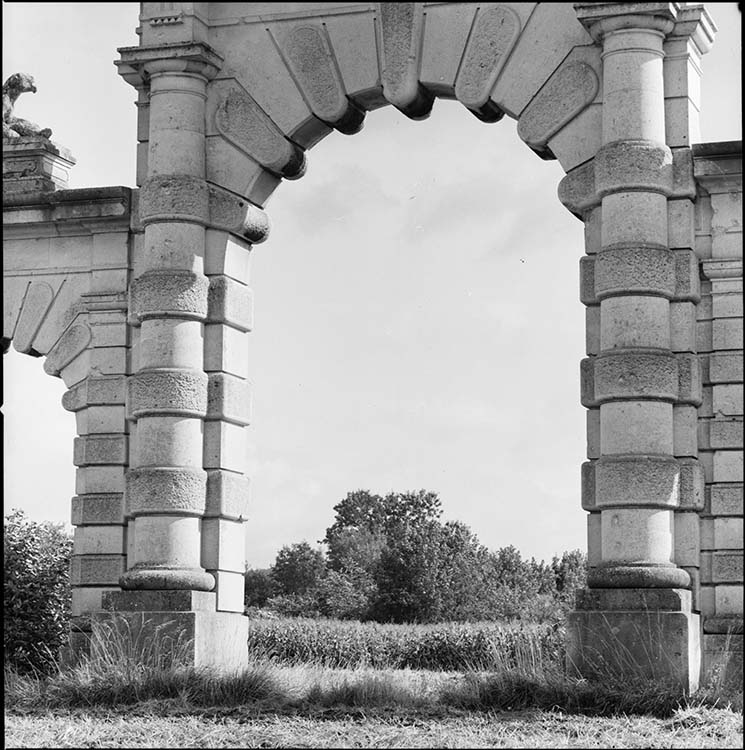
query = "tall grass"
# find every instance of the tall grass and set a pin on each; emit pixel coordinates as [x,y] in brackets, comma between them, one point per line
[507,669]
[443,647]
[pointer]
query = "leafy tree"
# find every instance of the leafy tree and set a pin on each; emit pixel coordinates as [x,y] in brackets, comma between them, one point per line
[570,575]
[259,585]
[36,594]
[298,568]
[370,519]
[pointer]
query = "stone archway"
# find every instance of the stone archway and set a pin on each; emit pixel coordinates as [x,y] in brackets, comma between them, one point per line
[231,95]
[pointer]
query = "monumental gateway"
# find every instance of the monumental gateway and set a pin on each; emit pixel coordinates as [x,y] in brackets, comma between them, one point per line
[138,298]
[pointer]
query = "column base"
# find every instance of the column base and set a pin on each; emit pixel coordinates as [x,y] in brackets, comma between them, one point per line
[628,634]
[168,626]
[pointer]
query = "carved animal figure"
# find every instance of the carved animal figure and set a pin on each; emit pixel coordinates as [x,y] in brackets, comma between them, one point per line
[16,127]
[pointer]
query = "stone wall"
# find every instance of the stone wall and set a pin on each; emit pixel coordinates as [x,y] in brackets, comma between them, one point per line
[718,230]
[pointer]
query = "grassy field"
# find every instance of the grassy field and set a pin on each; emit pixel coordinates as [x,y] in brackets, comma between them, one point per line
[523,699]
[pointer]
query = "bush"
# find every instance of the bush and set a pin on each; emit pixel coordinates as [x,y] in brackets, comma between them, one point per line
[36,597]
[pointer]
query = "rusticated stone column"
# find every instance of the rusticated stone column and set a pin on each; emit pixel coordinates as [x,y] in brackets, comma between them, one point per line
[166,583]
[166,484]
[636,615]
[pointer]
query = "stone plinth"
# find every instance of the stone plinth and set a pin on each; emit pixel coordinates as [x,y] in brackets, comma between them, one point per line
[169,625]
[34,164]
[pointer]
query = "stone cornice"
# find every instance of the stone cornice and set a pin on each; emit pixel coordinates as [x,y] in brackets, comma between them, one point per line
[137,63]
[717,167]
[601,18]
[67,212]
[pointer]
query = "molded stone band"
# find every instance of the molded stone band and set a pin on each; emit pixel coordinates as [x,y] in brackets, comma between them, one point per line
[155,578]
[168,391]
[635,270]
[602,480]
[641,576]
[624,166]
[170,294]
[637,480]
[635,374]
[174,198]
[166,491]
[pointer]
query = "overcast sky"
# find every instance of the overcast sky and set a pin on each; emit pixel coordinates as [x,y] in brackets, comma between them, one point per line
[417,313]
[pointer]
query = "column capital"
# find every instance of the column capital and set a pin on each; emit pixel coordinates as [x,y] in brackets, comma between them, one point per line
[602,18]
[137,64]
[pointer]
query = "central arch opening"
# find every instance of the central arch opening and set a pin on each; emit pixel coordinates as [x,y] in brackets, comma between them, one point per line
[425,333]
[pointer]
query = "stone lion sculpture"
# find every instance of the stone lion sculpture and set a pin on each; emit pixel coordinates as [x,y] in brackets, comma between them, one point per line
[16,127]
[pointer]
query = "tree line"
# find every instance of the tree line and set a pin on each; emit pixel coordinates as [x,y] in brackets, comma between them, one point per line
[391,558]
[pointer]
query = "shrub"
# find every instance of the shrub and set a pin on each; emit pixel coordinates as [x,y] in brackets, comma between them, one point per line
[36,597]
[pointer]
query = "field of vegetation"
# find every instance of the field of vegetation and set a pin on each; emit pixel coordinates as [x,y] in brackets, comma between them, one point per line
[341,681]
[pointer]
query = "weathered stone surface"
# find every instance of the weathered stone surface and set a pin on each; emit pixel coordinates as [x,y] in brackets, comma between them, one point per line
[162,294]
[36,305]
[634,165]
[665,600]
[577,191]
[241,121]
[635,270]
[636,374]
[727,567]
[164,490]
[687,284]
[726,433]
[230,302]
[588,486]
[95,390]
[567,92]
[168,391]
[73,342]
[229,398]
[96,570]
[493,35]
[174,198]
[691,484]
[635,642]
[727,499]
[224,445]
[223,543]
[401,28]
[309,55]
[689,379]
[97,509]
[652,481]
[158,601]
[227,495]
[100,449]
[635,321]
[235,214]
